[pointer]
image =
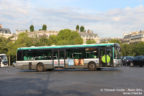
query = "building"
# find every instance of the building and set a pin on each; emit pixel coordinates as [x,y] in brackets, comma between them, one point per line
[107,40]
[133,37]
[5,32]
[89,35]
[0,25]
[42,33]
[38,33]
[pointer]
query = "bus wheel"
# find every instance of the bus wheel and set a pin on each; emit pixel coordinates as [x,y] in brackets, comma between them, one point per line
[40,67]
[92,66]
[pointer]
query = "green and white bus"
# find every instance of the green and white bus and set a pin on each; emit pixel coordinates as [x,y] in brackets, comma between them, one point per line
[90,56]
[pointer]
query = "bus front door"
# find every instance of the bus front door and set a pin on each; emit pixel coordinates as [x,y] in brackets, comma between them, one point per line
[58,58]
[105,57]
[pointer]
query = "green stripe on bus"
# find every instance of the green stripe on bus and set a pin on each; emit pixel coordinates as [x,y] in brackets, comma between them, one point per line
[65,46]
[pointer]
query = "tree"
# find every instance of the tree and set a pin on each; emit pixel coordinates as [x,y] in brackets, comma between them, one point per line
[82,29]
[68,37]
[3,45]
[44,27]
[77,28]
[26,30]
[126,50]
[42,41]
[52,40]
[31,28]
[24,40]
[90,42]
[114,41]
[138,48]
[133,49]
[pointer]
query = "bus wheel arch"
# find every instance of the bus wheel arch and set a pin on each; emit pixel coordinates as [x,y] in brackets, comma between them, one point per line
[40,67]
[92,66]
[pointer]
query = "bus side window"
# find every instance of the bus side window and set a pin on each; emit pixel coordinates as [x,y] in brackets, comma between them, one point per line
[69,53]
[55,55]
[49,55]
[91,53]
[61,54]
[20,55]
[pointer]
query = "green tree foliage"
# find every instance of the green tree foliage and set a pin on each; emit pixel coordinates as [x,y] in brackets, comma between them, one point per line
[52,40]
[44,27]
[126,50]
[134,49]
[90,42]
[82,29]
[77,28]
[3,45]
[41,41]
[114,41]
[31,28]
[24,40]
[67,37]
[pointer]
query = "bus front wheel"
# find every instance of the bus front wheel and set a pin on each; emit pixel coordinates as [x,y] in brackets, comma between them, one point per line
[40,67]
[92,66]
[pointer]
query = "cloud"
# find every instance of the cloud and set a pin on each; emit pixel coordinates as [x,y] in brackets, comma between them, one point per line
[20,14]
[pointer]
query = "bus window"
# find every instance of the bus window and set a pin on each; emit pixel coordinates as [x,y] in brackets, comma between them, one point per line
[20,55]
[69,53]
[49,55]
[37,55]
[91,53]
[61,54]
[55,54]
[109,52]
[79,53]
[117,53]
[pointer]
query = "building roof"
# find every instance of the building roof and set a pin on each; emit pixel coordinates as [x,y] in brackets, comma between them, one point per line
[5,30]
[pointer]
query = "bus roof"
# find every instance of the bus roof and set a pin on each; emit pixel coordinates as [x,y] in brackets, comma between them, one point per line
[68,46]
[2,54]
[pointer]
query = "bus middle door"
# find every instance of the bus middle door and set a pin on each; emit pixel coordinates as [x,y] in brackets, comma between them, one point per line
[58,58]
[105,57]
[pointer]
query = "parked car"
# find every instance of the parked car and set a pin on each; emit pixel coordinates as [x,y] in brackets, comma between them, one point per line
[127,60]
[138,61]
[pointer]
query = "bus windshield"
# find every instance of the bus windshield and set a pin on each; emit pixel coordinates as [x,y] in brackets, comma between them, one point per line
[117,53]
[3,57]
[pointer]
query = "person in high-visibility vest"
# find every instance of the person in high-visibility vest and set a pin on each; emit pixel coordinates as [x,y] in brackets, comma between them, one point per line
[106,59]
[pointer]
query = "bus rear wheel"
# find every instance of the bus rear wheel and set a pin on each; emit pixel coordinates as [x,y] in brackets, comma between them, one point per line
[92,66]
[40,68]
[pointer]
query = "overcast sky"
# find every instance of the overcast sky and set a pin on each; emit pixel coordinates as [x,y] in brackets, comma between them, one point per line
[107,18]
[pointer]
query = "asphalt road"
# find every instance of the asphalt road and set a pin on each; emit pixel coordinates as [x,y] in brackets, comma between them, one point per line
[123,81]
